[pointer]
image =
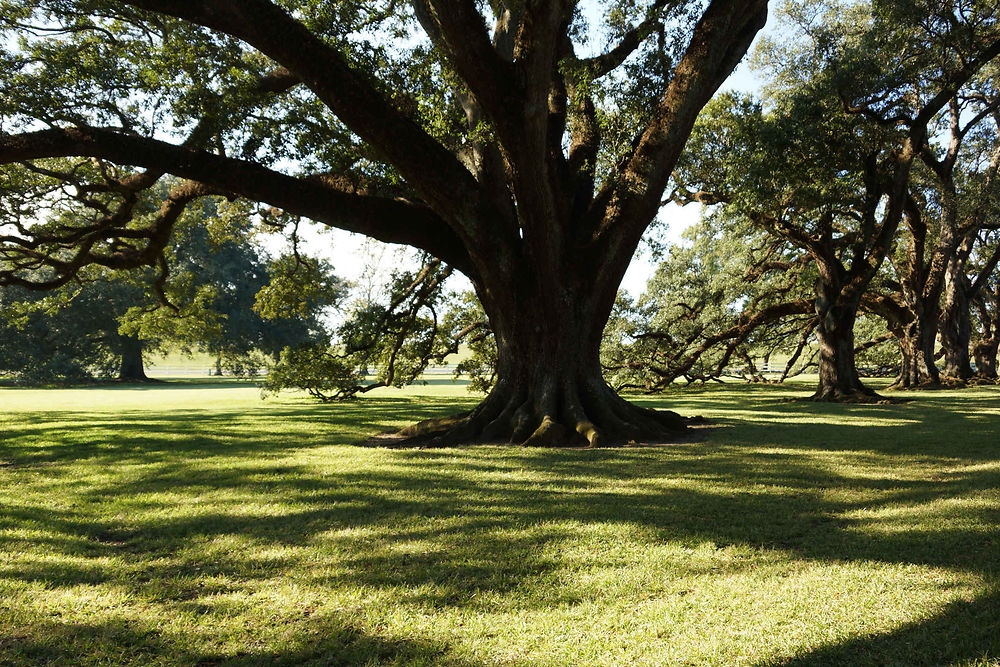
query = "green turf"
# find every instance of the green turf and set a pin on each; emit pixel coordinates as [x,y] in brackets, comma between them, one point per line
[193,524]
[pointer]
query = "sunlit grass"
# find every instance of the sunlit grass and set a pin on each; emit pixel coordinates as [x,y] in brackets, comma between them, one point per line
[191,523]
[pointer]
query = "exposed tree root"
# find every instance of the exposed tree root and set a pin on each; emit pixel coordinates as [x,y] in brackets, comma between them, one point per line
[948,382]
[556,416]
[866,397]
[951,382]
[926,383]
[837,395]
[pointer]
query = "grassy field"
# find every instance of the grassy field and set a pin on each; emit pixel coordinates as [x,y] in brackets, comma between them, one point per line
[193,524]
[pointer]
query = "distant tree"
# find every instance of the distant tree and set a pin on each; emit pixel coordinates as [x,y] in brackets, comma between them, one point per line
[825,163]
[983,290]
[67,335]
[220,294]
[733,294]
[238,302]
[952,195]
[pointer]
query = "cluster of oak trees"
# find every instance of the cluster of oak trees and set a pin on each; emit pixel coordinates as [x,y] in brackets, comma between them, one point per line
[862,184]
[819,246]
[526,144]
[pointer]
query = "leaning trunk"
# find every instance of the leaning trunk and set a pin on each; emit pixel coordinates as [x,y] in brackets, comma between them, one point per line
[131,369]
[838,372]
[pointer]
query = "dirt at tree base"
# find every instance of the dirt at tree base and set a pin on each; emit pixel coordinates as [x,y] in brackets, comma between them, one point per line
[850,399]
[947,382]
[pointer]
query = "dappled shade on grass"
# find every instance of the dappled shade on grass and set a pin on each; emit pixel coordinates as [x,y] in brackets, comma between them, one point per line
[203,526]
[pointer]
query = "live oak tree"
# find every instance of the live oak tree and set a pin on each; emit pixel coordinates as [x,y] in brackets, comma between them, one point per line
[727,302]
[972,265]
[255,304]
[74,331]
[499,137]
[951,200]
[720,303]
[824,196]
[940,85]
[730,303]
[70,334]
[985,302]
[969,324]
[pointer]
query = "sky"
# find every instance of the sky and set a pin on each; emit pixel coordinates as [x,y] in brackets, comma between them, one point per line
[362,260]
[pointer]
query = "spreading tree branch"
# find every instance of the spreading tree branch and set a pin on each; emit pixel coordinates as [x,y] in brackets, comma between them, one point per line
[388,220]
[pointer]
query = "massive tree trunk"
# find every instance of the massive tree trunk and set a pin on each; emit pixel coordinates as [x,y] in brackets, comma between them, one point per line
[131,368]
[550,390]
[986,358]
[985,350]
[956,325]
[955,322]
[917,367]
[838,371]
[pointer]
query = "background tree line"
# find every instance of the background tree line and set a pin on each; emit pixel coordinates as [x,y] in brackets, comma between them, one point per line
[858,194]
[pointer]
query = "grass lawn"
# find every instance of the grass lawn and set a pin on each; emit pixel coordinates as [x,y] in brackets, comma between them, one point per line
[193,524]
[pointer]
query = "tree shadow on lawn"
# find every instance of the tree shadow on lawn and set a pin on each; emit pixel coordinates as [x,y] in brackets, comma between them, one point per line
[321,640]
[495,519]
[942,424]
[502,542]
[966,632]
[47,436]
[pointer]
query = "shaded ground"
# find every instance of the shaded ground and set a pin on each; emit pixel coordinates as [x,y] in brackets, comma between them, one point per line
[197,525]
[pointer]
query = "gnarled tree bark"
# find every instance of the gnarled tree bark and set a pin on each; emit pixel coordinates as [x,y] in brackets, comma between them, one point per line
[838,372]
[917,367]
[987,303]
[955,323]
